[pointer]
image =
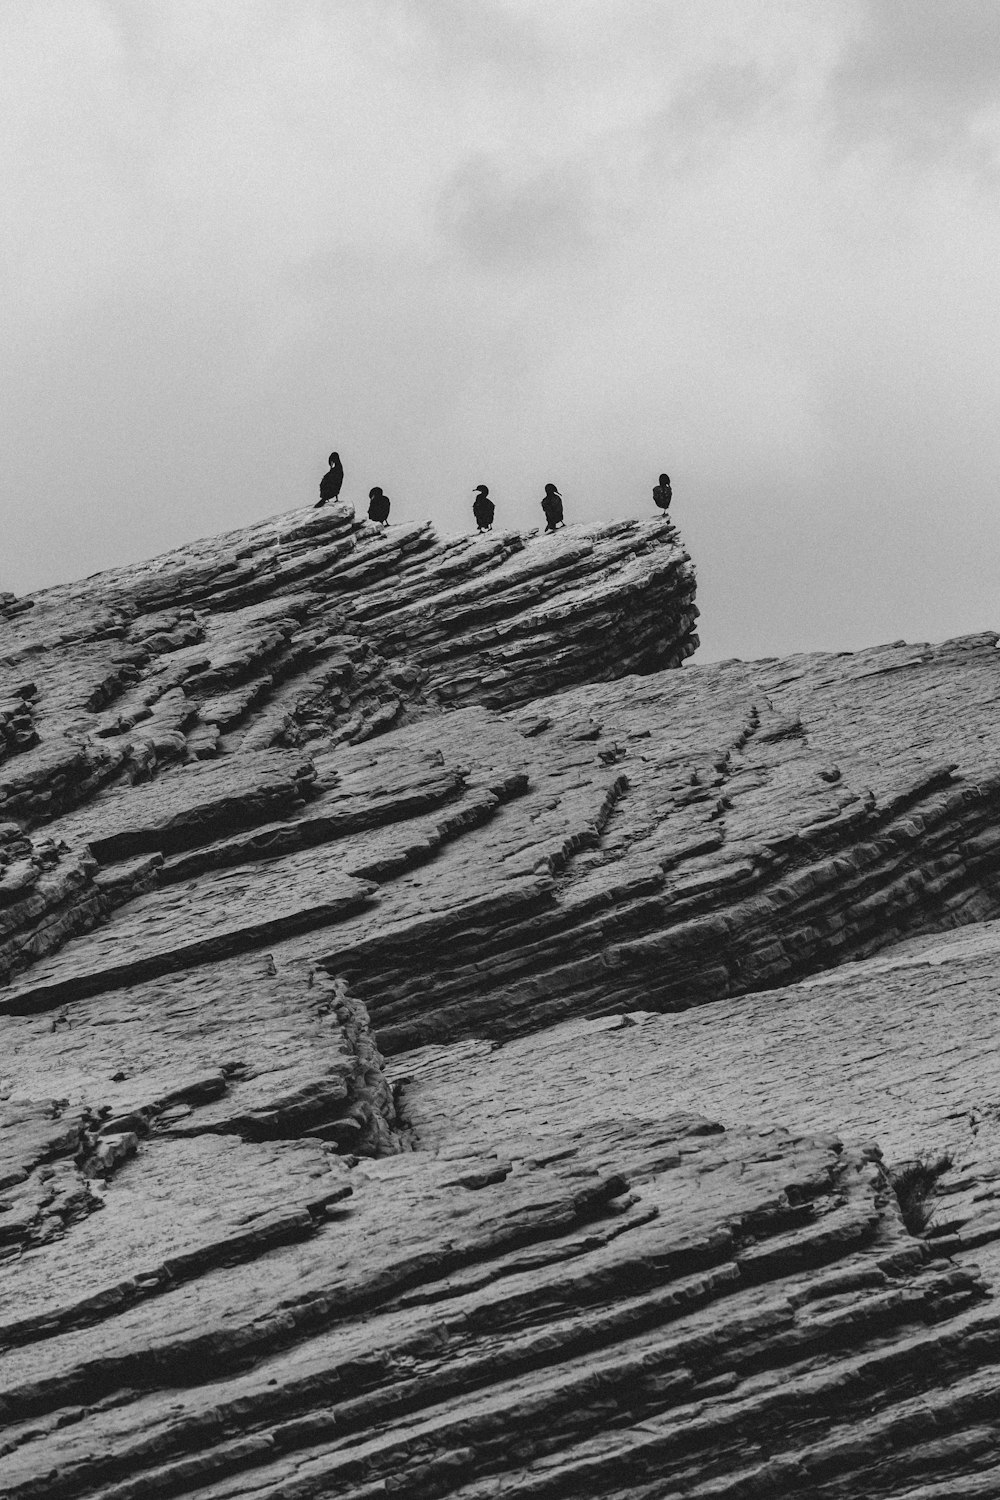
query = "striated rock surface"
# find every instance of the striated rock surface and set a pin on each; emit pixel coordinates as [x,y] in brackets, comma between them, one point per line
[365,1126]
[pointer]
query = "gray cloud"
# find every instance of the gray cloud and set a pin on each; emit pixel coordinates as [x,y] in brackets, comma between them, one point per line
[500,219]
[933,52]
[703,113]
[923,75]
[470,241]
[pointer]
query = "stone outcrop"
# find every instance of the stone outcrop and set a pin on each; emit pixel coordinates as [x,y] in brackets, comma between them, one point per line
[448,1053]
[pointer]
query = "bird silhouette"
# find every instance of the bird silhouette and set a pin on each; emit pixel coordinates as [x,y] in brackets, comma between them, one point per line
[378,506]
[552,507]
[662,492]
[483,508]
[329,485]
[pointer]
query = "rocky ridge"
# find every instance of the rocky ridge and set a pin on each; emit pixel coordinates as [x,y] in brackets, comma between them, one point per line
[365,1128]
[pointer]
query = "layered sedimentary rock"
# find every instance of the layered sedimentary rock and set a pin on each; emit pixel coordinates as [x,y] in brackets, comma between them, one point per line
[316,630]
[447,1052]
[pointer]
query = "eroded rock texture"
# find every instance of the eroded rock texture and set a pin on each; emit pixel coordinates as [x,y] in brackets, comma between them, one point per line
[365,1126]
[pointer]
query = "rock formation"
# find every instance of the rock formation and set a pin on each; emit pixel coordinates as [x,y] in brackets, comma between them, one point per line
[446,1052]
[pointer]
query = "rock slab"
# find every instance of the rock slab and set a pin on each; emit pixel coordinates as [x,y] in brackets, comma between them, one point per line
[447,1051]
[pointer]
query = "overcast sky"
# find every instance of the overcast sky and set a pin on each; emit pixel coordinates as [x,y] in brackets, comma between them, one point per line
[753,242]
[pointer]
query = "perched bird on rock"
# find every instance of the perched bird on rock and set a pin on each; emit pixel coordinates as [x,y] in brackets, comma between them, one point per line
[552,507]
[483,508]
[662,492]
[378,506]
[329,485]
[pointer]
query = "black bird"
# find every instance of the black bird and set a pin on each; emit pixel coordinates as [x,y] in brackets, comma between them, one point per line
[483,508]
[553,507]
[662,492]
[378,506]
[329,485]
